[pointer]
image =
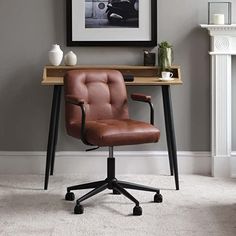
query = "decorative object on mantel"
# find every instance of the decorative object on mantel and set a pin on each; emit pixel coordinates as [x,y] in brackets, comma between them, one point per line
[165,56]
[149,58]
[55,55]
[70,59]
[219,13]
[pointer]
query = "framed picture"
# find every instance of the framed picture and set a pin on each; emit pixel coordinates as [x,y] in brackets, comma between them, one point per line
[111,23]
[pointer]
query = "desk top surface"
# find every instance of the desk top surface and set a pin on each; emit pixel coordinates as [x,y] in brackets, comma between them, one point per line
[143,75]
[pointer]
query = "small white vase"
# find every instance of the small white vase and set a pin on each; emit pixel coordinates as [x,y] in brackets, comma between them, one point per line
[55,55]
[70,59]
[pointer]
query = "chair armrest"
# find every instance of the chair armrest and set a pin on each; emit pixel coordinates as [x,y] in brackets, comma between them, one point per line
[147,99]
[141,97]
[79,102]
[74,100]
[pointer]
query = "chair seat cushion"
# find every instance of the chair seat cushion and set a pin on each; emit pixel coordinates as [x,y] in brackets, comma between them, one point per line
[119,132]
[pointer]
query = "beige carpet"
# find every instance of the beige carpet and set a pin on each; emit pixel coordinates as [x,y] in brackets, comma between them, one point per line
[204,206]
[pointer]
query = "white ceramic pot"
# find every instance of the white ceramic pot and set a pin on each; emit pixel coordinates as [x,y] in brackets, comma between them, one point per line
[55,55]
[70,59]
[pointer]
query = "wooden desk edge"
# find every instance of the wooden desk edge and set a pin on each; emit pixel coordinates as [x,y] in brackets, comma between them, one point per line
[115,67]
[157,83]
[140,81]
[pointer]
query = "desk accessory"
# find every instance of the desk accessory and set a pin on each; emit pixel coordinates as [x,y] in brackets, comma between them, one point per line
[70,59]
[165,56]
[128,77]
[149,58]
[55,55]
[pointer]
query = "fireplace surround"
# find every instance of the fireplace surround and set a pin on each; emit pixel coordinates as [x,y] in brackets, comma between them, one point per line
[222,48]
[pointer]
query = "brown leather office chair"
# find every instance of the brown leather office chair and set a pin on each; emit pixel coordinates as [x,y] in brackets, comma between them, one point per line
[97,113]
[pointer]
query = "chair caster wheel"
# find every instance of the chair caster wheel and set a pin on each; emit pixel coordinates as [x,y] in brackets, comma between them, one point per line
[158,198]
[115,192]
[79,209]
[137,211]
[70,196]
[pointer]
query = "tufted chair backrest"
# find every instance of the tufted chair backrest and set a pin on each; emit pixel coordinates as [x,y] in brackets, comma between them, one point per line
[103,91]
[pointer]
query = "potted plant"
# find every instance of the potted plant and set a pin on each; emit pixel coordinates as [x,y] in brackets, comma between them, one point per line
[165,56]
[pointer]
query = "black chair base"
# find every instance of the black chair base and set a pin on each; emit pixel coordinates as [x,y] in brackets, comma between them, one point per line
[118,187]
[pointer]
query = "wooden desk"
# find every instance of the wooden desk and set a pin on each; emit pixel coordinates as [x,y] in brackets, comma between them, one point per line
[143,76]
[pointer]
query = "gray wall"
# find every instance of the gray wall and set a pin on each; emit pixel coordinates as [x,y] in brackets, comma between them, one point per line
[28,28]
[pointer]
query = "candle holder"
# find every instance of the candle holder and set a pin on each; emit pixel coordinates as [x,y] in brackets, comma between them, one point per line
[219,13]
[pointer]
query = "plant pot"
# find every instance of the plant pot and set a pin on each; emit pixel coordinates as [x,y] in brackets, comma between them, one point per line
[164,58]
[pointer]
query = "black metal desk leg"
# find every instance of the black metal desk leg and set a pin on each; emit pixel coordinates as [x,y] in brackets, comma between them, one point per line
[170,133]
[168,140]
[52,131]
[57,110]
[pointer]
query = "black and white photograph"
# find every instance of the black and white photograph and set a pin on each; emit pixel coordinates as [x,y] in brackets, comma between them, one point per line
[111,13]
[111,22]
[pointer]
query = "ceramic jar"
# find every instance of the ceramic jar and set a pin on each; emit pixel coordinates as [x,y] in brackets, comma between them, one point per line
[55,55]
[70,59]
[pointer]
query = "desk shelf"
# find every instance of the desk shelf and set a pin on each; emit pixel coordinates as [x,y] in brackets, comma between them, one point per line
[143,75]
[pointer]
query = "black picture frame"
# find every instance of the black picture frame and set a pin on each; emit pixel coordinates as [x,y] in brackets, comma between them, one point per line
[151,42]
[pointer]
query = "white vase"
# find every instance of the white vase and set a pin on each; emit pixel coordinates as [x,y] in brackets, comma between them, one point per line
[70,59]
[55,55]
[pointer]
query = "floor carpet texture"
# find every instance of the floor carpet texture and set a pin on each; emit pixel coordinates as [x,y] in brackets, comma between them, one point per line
[204,206]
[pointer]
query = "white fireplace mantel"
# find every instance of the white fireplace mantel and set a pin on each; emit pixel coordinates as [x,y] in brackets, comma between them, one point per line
[223,46]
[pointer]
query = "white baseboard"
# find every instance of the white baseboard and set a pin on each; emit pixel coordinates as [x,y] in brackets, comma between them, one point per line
[141,162]
[221,166]
[233,164]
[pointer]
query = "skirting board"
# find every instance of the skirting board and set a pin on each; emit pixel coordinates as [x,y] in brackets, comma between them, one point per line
[141,162]
[233,164]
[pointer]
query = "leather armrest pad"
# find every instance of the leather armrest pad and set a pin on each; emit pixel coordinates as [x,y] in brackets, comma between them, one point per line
[74,100]
[141,97]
